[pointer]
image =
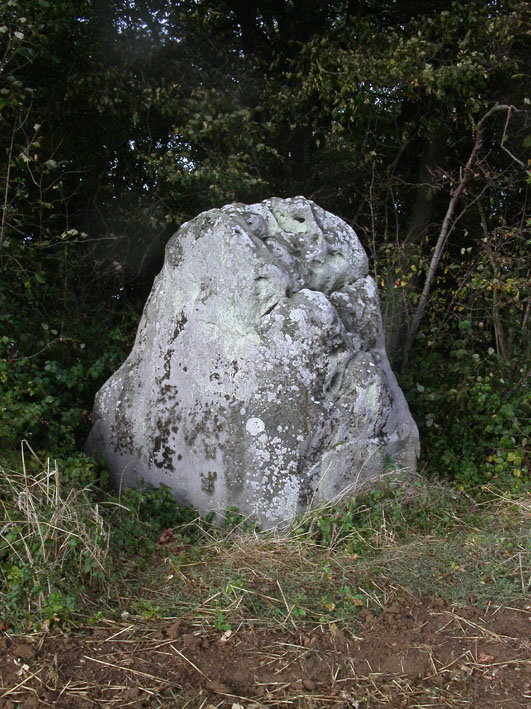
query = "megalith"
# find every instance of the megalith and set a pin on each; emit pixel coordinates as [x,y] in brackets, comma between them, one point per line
[259,377]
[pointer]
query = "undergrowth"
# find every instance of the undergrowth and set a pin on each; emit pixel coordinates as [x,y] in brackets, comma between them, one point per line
[72,554]
[54,544]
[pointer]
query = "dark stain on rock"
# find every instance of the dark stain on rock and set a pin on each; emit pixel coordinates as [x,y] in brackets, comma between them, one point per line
[210,451]
[162,453]
[179,325]
[208,481]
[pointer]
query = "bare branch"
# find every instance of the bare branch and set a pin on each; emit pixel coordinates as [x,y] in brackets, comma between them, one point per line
[445,228]
[503,138]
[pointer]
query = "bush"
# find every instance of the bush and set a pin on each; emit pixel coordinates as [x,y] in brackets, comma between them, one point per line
[473,414]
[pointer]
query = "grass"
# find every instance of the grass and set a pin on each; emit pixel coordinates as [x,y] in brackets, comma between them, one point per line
[53,544]
[69,556]
[78,558]
[408,537]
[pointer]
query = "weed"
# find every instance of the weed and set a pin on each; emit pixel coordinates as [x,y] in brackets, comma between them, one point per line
[220,623]
[141,514]
[235,520]
[145,608]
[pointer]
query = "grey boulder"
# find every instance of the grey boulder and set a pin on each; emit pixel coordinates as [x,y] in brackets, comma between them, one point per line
[259,377]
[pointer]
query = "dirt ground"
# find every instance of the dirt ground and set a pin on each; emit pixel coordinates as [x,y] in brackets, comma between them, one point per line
[414,654]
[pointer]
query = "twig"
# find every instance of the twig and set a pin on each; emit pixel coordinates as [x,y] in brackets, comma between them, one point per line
[20,684]
[445,228]
[196,668]
[126,669]
[287,606]
[511,108]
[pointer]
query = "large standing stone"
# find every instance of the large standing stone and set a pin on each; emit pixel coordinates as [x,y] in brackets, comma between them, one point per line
[259,377]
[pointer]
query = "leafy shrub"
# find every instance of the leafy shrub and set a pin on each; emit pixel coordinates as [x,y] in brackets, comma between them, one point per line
[140,514]
[47,384]
[473,418]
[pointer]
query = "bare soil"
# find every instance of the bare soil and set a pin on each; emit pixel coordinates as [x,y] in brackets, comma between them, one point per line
[416,653]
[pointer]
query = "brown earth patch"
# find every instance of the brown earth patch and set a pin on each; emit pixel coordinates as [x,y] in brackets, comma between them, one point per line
[415,654]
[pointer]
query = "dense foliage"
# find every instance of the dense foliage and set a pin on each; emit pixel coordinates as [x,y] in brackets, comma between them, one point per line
[119,120]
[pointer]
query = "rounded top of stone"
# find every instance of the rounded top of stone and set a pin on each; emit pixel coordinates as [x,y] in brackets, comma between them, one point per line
[317,249]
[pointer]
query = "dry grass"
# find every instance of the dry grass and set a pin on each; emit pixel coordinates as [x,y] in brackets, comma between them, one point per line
[289,579]
[55,534]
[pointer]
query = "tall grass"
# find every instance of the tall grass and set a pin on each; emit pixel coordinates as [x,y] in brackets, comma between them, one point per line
[53,542]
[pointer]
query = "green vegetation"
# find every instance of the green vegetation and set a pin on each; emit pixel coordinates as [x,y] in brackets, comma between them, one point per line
[118,122]
[53,544]
[71,556]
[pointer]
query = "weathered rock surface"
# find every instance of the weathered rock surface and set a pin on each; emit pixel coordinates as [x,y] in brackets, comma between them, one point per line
[259,377]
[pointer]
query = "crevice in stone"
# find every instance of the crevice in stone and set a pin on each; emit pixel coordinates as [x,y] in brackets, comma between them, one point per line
[270,309]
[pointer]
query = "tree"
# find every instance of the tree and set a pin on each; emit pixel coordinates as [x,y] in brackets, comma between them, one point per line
[119,120]
[390,119]
[447,222]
